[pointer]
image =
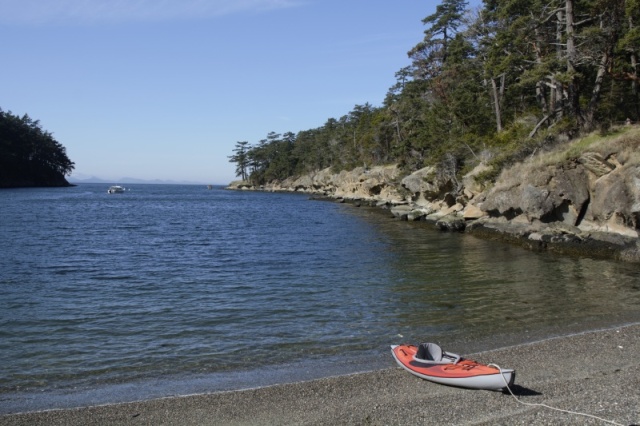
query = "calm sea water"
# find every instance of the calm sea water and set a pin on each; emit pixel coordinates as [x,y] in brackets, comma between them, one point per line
[169,289]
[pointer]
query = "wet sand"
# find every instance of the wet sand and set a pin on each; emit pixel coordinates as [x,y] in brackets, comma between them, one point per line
[597,373]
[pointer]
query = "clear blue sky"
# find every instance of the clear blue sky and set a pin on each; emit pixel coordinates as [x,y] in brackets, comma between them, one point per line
[163,89]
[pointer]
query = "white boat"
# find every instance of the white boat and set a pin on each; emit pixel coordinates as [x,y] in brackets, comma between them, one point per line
[115,189]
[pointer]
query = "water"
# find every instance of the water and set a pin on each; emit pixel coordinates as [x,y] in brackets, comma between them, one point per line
[171,290]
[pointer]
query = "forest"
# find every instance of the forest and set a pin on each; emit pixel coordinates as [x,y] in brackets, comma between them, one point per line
[29,155]
[492,84]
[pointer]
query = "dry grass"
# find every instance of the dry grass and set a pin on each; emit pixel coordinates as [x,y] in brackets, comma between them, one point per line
[623,142]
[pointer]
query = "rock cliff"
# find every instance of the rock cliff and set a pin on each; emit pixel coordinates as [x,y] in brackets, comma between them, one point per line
[583,197]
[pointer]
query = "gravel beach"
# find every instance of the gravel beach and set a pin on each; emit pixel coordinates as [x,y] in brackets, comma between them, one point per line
[597,373]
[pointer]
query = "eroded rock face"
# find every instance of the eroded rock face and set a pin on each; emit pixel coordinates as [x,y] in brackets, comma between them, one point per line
[375,184]
[593,194]
[617,193]
[425,184]
[546,194]
[421,183]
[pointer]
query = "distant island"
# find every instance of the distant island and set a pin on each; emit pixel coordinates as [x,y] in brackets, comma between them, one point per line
[82,179]
[29,155]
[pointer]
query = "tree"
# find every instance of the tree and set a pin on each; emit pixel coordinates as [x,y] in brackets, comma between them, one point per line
[431,53]
[241,159]
[627,52]
[29,155]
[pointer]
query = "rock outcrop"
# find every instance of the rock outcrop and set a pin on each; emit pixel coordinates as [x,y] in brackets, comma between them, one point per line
[607,200]
[587,204]
[374,184]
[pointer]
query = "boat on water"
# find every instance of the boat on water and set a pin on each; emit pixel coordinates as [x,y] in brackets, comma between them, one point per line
[115,189]
[428,361]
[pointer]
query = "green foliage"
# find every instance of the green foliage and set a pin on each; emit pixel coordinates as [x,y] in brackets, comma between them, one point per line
[30,155]
[513,145]
[241,159]
[623,139]
[503,83]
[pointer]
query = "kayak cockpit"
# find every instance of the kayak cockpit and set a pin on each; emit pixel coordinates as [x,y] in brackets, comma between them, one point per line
[430,353]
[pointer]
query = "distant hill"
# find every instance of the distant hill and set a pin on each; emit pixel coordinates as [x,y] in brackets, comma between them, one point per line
[129,180]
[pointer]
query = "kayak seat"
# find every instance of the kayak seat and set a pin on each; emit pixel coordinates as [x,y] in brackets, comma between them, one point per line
[430,353]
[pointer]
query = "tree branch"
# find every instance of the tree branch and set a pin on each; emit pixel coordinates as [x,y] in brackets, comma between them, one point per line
[540,123]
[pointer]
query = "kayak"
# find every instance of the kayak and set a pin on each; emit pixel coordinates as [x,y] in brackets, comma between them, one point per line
[430,362]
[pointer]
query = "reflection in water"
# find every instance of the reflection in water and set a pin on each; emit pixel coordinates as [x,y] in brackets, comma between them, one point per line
[451,287]
[214,290]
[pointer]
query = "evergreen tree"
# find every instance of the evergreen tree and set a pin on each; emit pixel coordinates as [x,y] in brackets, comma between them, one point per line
[241,159]
[29,155]
[431,53]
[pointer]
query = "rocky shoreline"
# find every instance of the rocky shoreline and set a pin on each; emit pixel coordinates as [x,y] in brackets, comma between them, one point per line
[537,237]
[585,204]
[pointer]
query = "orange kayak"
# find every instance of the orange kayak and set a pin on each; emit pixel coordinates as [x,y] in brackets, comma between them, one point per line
[429,362]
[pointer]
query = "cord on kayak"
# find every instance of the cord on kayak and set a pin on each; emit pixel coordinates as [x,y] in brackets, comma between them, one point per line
[535,404]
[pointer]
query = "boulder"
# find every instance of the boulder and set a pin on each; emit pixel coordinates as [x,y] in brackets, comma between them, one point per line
[616,199]
[425,183]
[401,211]
[472,212]
[416,214]
[451,223]
[546,193]
[420,181]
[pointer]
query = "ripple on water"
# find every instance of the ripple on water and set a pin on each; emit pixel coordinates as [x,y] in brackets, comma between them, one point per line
[168,283]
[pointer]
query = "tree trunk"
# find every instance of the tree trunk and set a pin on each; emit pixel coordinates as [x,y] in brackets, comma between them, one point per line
[569,31]
[540,93]
[556,94]
[496,102]
[634,73]
[611,23]
[552,99]
[574,95]
[634,84]
[540,96]
[634,81]
[589,119]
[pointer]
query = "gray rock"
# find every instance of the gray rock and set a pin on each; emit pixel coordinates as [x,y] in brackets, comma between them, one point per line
[451,223]
[617,194]
[401,211]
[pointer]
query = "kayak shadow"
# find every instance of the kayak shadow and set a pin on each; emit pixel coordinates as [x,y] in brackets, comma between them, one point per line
[518,390]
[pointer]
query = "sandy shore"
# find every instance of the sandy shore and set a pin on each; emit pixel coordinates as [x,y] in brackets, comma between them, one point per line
[596,373]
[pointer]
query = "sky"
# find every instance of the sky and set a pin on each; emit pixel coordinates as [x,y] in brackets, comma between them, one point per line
[164,89]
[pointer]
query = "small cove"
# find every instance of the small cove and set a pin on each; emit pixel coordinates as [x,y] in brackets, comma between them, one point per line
[171,290]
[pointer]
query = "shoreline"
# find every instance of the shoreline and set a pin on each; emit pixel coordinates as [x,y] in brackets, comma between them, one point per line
[595,372]
[604,240]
